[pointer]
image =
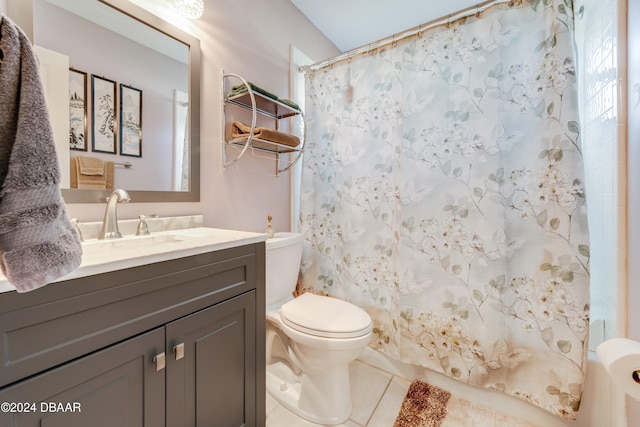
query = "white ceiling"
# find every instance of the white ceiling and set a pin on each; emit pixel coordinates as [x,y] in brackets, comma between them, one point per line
[354,23]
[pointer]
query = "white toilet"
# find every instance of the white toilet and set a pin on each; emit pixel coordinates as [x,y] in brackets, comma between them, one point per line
[310,339]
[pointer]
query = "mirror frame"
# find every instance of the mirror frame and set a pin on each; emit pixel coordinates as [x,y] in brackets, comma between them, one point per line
[21,12]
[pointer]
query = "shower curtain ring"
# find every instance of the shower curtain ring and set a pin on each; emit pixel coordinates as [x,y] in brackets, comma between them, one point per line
[370,51]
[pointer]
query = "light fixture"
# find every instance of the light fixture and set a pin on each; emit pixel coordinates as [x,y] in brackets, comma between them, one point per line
[191,9]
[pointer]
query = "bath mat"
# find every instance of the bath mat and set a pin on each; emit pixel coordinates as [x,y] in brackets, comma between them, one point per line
[429,406]
[423,406]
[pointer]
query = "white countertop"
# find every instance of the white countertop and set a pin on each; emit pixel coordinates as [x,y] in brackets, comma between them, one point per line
[101,256]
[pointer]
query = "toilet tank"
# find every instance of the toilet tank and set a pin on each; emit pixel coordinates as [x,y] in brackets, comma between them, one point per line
[283,256]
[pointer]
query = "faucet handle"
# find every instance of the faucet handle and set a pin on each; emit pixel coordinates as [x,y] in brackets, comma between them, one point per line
[74,222]
[143,228]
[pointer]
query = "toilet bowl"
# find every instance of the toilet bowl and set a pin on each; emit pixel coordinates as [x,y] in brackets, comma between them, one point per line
[310,340]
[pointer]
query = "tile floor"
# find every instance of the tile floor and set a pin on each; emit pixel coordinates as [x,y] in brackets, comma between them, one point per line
[376,395]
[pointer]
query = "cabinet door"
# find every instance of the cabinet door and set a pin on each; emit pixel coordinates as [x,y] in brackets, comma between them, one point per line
[118,386]
[213,384]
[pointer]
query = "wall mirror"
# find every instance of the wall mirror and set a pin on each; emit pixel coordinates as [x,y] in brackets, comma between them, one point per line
[136,77]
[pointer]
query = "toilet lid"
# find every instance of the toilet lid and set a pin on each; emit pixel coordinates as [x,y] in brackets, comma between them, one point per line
[325,317]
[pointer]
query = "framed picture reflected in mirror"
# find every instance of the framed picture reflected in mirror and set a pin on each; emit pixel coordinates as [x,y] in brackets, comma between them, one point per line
[77,110]
[103,108]
[130,121]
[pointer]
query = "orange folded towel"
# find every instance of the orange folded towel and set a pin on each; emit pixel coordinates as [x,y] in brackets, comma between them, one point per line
[241,130]
[104,181]
[90,165]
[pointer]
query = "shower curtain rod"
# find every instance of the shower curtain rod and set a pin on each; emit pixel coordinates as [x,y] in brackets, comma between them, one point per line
[469,11]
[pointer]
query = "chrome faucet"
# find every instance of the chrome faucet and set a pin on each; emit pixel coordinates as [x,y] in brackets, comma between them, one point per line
[110,222]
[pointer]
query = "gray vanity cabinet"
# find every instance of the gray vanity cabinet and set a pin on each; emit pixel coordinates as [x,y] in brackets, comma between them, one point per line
[118,386]
[211,384]
[177,344]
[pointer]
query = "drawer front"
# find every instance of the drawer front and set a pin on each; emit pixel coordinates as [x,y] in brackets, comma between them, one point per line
[62,321]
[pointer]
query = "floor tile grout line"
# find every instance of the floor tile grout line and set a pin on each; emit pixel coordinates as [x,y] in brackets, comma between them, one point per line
[379,400]
[376,407]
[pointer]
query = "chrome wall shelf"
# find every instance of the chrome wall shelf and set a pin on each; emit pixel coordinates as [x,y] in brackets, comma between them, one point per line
[265,106]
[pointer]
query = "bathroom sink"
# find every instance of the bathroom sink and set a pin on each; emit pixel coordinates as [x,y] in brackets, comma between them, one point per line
[95,246]
[96,251]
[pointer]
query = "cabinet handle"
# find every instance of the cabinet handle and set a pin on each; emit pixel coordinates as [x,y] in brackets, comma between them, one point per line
[179,351]
[160,361]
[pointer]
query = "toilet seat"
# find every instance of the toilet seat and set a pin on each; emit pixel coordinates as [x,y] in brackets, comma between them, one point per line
[325,317]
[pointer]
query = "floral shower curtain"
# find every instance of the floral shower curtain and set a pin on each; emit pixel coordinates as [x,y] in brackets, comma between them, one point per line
[442,191]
